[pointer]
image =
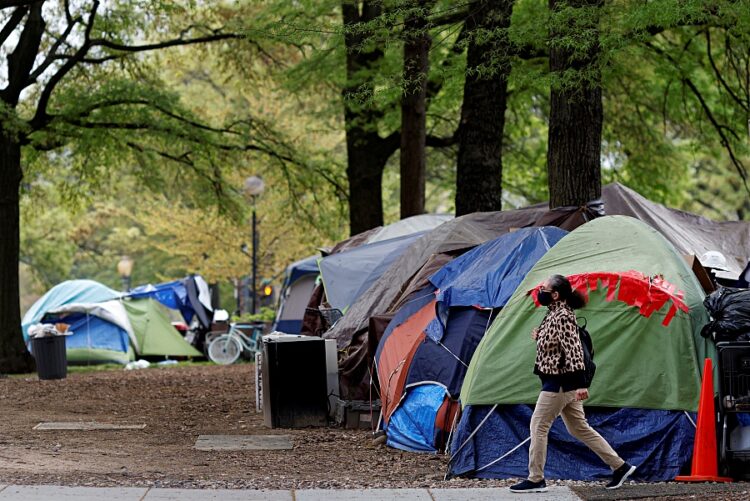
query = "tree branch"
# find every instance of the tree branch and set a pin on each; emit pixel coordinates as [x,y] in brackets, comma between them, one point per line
[11,23]
[52,56]
[41,118]
[441,142]
[719,77]
[21,60]
[719,128]
[5,4]
[98,42]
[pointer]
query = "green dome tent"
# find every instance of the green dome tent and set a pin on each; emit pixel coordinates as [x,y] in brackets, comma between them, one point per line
[642,362]
[644,314]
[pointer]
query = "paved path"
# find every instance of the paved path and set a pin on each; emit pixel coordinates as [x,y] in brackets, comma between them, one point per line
[59,493]
[735,491]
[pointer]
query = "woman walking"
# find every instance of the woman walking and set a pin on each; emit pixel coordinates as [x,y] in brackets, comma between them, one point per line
[560,366]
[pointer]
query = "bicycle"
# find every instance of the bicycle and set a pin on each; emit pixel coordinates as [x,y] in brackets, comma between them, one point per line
[226,348]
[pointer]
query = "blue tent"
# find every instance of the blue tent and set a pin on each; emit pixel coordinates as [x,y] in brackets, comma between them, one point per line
[347,275]
[468,292]
[487,275]
[299,282]
[70,291]
[493,442]
[189,295]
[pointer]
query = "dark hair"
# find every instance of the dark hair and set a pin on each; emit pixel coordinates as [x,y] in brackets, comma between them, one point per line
[562,286]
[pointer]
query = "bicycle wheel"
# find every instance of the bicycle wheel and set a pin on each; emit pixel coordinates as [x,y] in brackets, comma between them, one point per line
[224,350]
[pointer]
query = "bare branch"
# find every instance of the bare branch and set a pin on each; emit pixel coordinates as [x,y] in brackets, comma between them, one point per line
[21,60]
[11,24]
[52,55]
[5,4]
[41,118]
[98,42]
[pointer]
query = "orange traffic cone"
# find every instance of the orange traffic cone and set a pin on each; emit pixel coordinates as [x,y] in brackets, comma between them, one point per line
[705,467]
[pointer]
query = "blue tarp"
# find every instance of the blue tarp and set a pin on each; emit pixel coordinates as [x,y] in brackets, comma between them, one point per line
[489,274]
[92,332]
[442,366]
[412,425]
[70,291]
[658,442]
[173,295]
[348,274]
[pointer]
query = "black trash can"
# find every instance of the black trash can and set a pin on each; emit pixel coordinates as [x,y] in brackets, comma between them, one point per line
[50,355]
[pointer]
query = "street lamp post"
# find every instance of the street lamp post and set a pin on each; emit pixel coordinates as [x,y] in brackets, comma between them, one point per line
[254,186]
[125,270]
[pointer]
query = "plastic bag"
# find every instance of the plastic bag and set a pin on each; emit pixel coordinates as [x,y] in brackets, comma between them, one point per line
[730,315]
[48,330]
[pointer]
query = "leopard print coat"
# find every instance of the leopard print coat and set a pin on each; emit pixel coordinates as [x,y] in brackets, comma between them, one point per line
[558,333]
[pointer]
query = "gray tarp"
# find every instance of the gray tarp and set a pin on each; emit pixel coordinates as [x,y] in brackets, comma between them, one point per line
[461,233]
[409,226]
[689,233]
[348,274]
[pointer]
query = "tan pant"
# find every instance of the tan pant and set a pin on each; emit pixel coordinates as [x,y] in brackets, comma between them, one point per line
[549,405]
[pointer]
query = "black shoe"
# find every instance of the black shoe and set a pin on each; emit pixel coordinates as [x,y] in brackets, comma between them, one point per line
[529,486]
[620,475]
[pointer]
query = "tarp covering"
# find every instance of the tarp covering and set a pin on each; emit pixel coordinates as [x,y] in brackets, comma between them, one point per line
[643,363]
[659,442]
[487,275]
[70,291]
[189,295]
[463,232]
[689,233]
[412,426]
[409,226]
[348,274]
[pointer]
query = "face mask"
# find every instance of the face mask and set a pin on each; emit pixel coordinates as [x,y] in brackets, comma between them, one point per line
[544,298]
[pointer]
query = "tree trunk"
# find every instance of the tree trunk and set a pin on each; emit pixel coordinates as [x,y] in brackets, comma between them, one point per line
[413,109]
[480,167]
[367,152]
[576,111]
[13,355]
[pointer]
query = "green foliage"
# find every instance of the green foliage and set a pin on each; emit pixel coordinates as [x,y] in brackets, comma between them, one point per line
[266,314]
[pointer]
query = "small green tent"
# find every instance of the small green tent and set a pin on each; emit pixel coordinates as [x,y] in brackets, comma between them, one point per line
[154,332]
[645,313]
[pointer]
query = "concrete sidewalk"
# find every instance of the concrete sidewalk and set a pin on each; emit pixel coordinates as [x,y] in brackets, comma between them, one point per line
[59,493]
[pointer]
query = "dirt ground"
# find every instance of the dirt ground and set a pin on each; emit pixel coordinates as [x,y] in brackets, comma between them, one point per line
[177,404]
